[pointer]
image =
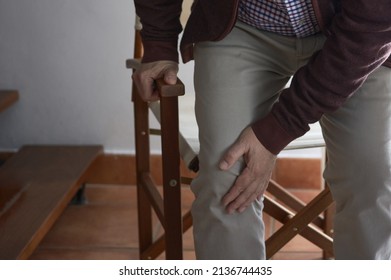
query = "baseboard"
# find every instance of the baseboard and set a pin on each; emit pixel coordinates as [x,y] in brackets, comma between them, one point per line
[303,173]
[300,173]
[4,156]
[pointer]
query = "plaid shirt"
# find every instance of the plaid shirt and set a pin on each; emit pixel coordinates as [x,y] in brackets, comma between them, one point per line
[285,17]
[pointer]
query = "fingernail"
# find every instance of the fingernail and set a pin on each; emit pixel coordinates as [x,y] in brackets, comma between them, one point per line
[223,165]
[170,79]
[241,210]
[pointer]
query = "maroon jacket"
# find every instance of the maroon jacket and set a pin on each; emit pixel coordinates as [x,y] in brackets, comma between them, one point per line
[358,41]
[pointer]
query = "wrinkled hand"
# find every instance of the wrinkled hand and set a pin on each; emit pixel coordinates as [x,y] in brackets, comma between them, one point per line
[253,181]
[144,77]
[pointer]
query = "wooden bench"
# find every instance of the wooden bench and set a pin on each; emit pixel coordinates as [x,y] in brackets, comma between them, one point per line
[7,98]
[36,185]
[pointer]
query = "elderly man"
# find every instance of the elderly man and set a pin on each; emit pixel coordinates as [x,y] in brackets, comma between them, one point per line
[245,51]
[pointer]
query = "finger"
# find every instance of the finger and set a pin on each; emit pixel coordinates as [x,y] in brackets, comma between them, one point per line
[170,77]
[231,156]
[243,188]
[145,85]
[232,195]
[141,86]
[148,90]
[243,200]
[257,195]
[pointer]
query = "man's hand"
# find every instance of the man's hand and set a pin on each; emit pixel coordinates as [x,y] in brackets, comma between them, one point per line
[145,77]
[253,181]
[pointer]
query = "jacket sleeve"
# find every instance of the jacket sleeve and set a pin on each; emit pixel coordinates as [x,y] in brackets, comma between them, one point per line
[160,28]
[359,42]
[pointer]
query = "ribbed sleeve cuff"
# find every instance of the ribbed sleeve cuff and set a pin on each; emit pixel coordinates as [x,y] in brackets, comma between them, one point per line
[270,133]
[160,50]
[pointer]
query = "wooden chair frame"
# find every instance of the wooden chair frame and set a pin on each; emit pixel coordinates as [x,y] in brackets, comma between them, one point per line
[297,217]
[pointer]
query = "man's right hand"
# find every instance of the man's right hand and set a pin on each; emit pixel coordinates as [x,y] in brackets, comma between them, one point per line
[144,77]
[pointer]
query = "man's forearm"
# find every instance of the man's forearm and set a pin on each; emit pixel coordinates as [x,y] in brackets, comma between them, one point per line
[161,27]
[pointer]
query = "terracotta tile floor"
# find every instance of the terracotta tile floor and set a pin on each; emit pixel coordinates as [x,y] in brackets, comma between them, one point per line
[106,228]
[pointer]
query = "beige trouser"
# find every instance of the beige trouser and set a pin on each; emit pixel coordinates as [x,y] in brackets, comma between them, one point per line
[236,81]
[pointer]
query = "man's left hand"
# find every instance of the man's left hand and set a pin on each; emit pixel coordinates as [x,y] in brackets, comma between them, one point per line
[253,180]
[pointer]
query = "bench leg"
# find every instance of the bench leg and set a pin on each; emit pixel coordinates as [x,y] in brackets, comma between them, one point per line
[80,197]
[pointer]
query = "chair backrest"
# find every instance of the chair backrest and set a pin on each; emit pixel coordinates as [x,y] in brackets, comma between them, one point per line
[138,46]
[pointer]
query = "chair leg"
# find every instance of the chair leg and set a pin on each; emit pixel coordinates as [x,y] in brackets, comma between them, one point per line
[329,228]
[142,167]
[299,222]
[171,177]
[329,213]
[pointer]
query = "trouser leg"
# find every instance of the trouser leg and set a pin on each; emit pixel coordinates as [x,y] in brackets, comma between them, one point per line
[236,81]
[358,138]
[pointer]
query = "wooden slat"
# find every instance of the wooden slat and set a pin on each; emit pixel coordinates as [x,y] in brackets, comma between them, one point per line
[289,200]
[7,98]
[144,208]
[47,178]
[159,245]
[171,177]
[310,232]
[155,198]
[298,222]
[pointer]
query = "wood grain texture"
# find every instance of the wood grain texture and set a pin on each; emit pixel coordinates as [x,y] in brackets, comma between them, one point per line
[46,177]
[7,98]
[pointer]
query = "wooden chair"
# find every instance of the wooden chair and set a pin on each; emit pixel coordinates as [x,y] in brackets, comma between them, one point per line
[310,220]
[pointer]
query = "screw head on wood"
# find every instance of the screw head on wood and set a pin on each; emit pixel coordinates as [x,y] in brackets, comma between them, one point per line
[173,183]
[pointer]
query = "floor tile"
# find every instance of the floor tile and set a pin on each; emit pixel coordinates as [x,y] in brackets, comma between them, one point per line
[92,226]
[111,194]
[106,228]
[87,254]
[298,256]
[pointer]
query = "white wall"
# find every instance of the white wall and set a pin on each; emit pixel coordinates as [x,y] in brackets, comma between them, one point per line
[67,59]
